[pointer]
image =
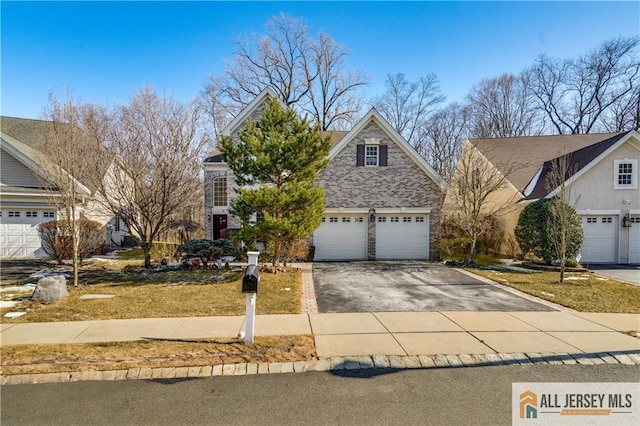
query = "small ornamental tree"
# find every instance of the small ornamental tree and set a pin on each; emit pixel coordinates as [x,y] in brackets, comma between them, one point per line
[275,163]
[538,228]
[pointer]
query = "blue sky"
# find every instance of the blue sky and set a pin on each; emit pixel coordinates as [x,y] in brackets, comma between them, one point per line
[106,51]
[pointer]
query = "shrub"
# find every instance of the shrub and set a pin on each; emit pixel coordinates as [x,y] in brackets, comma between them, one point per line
[455,244]
[57,242]
[454,248]
[537,230]
[163,249]
[296,250]
[207,250]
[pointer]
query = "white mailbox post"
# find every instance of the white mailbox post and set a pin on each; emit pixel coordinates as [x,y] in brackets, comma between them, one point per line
[250,316]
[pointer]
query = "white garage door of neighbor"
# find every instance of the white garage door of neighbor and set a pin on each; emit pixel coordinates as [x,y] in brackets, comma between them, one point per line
[402,236]
[634,240]
[600,239]
[341,237]
[18,233]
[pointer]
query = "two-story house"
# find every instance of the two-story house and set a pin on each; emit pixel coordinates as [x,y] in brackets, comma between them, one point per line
[382,199]
[25,202]
[602,174]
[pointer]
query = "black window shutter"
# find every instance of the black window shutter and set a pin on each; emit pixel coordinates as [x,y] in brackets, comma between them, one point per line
[383,156]
[359,155]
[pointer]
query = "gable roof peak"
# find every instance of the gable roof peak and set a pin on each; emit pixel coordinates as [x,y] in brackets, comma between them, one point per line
[242,116]
[386,127]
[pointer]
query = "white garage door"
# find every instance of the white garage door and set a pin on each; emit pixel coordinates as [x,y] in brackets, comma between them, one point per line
[402,236]
[600,239]
[18,233]
[634,240]
[341,237]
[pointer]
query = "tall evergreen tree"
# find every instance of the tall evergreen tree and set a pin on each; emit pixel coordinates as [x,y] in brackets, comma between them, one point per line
[275,163]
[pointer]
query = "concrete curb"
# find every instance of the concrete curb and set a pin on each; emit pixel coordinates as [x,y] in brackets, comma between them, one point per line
[337,365]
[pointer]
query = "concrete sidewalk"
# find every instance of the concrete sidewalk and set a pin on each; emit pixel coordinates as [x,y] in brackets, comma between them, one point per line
[360,334]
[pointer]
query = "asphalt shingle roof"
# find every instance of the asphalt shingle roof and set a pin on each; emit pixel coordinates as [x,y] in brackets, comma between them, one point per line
[532,152]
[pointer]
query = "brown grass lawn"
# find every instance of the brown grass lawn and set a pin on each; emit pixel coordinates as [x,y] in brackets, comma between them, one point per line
[583,292]
[141,293]
[31,359]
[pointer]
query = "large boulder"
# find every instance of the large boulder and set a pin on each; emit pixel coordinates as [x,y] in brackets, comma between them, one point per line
[50,289]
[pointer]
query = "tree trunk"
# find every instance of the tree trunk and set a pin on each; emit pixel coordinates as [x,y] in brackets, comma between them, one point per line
[75,242]
[472,251]
[563,262]
[146,248]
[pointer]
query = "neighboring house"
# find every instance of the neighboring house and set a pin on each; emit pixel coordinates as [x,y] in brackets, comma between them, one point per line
[24,201]
[382,199]
[603,178]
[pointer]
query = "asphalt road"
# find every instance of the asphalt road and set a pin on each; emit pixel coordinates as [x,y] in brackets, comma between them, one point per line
[452,396]
[408,287]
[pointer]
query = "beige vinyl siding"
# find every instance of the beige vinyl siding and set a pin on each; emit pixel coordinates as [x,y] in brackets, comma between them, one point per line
[14,173]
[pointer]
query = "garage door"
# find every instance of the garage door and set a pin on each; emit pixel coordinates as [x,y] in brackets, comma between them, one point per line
[634,240]
[18,233]
[341,237]
[600,239]
[402,237]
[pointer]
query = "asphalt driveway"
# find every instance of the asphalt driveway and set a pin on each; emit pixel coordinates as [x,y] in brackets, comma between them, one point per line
[411,286]
[627,273]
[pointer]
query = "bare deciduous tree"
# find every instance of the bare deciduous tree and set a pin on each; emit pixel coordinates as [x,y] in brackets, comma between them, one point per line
[407,105]
[66,158]
[306,73]
[473,193]
[442,137]
[504,107]
[565,231]
[156,143]
[333,98]
[624,114]
[576,93]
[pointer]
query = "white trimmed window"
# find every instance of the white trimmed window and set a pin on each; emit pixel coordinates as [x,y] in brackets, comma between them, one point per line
[346,220]
[406,219]
[395,219]
[333,220]
[48,214]
[626,174]
[371,155]
[419,219]
[382,218]
[14,214]
[220,192]
[592,220]
[359,219]
[32,214]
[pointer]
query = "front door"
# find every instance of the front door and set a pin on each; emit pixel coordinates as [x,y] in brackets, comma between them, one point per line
[219,223]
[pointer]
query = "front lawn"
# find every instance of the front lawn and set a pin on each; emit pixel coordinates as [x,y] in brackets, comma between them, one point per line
[141,293]
[32,359]
[583,292]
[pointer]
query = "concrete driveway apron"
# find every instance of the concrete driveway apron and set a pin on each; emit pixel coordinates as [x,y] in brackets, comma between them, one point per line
[408,286]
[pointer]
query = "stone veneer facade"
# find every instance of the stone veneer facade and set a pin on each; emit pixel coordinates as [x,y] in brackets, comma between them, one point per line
[402,183]
[217,169]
